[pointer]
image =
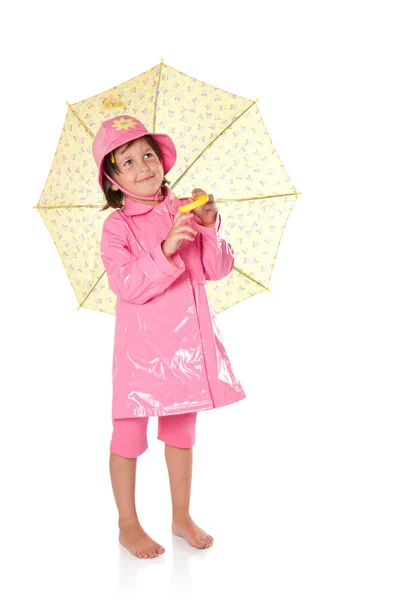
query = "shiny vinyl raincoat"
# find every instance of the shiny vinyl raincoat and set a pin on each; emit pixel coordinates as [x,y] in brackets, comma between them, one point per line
[169,357]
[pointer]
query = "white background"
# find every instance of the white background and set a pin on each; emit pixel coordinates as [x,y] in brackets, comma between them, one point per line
[298,482]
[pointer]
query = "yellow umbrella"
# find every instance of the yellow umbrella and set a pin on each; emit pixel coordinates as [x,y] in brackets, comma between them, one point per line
[222,146]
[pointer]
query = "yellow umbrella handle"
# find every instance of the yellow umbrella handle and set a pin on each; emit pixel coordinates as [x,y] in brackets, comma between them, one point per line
[198,202]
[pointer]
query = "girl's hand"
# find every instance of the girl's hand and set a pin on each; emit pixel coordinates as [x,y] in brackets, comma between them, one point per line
[178,232]
[207,213]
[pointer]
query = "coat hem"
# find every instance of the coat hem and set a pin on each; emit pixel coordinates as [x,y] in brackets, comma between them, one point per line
[189,409]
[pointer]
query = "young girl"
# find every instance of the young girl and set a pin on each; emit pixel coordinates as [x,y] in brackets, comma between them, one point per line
[169,360]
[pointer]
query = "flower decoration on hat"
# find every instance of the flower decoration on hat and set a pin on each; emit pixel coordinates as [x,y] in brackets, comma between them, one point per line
[124,123]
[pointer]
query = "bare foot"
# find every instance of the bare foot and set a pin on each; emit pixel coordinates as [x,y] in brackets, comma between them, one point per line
[195,536]
[134,539]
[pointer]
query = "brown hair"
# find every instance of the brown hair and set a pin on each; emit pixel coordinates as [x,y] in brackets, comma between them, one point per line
[114,198]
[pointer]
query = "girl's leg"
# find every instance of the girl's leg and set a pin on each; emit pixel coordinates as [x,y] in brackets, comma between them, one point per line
[178,433]
[128,442]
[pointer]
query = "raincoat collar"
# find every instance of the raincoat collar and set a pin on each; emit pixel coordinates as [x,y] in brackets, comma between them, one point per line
[132,208]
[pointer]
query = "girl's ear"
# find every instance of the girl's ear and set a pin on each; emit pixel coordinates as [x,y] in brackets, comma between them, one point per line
[114,187]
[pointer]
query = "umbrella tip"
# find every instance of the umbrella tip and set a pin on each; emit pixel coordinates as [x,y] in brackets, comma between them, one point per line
[161,60]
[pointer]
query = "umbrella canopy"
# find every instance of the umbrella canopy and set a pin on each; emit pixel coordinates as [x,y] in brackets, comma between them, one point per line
[222,146]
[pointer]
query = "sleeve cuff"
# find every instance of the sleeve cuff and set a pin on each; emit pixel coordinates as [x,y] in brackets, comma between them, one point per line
[167,267]
[209,230]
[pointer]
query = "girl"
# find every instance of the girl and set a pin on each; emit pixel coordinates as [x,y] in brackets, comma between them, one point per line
[169,360]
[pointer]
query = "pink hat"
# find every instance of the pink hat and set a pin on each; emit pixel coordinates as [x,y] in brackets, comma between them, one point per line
[122,129]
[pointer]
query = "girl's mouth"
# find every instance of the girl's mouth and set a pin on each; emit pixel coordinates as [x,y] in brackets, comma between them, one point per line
[147,179]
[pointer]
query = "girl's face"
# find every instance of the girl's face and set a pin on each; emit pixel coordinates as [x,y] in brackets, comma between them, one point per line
[141,170]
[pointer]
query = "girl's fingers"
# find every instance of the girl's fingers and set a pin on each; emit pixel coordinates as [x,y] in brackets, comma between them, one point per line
[199,192]
[182,216]
[183,227]
[184,236]
[188,229]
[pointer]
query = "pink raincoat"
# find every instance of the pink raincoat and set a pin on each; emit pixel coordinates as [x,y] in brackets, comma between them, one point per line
[168,354]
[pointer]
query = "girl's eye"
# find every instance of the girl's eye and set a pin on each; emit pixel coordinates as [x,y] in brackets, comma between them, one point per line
[126,164]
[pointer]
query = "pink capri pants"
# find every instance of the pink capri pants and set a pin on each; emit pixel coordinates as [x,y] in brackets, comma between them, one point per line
[129,437]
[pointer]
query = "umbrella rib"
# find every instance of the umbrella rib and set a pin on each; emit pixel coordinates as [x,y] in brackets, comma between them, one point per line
[235,268]
[211,143]
[156,96]
[81,121]
[71,206]
[81,304]
[251,278]
[218,201]
[257,197]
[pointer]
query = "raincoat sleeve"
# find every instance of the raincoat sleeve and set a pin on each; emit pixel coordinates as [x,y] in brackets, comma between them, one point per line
[217,253]
[131,278]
